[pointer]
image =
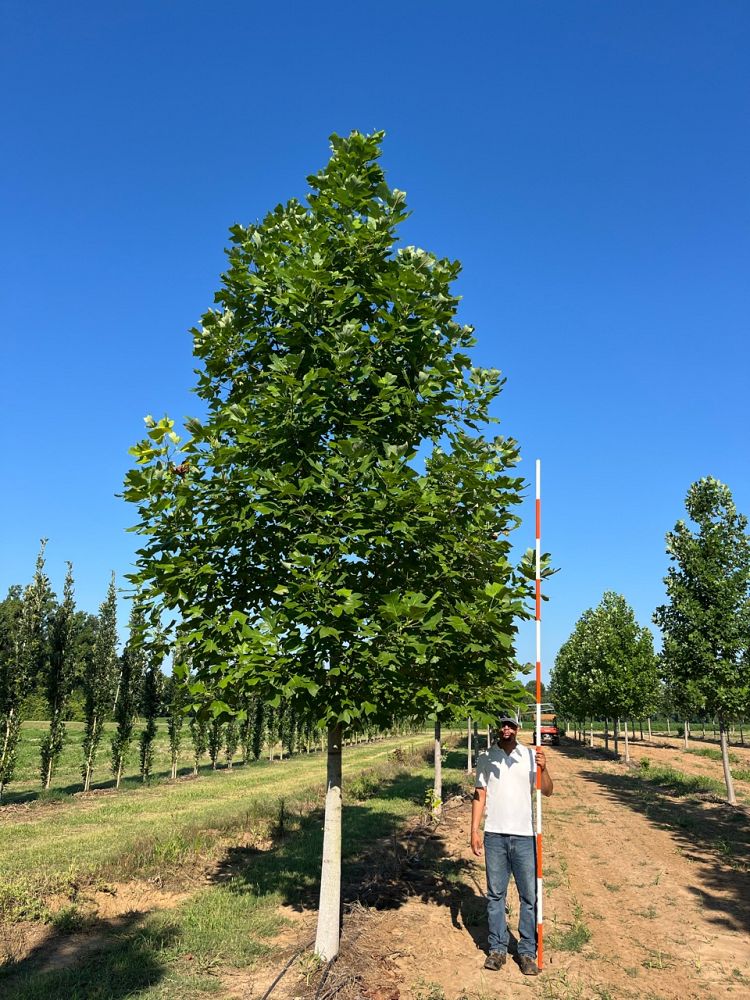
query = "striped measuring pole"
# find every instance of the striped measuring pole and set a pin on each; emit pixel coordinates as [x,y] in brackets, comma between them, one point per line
[539,877]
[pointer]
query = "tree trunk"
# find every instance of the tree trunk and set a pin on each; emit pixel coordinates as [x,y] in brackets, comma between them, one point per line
[591,734]
[627,745]
[686,734]
[329,909]
[90,759]
[437,788]
[649,728]
[606,735]
[669,731]
[703,729]
[617,737]
[469,760]
[118,776]
[489,739]
[731,798]
[742,736]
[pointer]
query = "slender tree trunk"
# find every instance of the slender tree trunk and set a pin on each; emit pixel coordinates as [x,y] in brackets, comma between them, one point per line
[731,797]
[640,724]
[329,909]
[686,734]
[591,734]
[617,737]
[627,745]
[649,728]
[669,731]
[118,776]
[469,759]
[742,736]
[90,758]
[606,734]
[437,788]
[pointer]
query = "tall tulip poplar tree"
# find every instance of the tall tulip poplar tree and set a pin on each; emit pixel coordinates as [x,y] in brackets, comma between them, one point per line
[292,536]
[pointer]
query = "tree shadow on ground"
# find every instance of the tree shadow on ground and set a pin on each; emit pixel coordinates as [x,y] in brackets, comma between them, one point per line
[384,864]
[711,834]
[112,960]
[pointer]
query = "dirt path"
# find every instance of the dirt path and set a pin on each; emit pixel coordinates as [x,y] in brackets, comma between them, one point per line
[658,884]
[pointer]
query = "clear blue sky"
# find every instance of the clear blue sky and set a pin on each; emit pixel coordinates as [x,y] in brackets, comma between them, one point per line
[586,161]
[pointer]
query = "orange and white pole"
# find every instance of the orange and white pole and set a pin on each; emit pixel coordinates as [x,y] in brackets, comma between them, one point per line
[539,878]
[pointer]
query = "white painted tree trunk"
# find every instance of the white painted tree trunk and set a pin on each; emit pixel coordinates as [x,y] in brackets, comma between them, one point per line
[669,730]
[731,797]
[617,737]
[469,761]
[329,908]
[591,734]
[437,788]
[649,728]
[627,745]
[686,734]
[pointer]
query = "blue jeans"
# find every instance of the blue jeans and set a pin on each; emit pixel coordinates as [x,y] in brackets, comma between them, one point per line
[505,854]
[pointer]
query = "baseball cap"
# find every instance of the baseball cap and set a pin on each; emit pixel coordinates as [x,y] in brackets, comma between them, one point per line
[510,717]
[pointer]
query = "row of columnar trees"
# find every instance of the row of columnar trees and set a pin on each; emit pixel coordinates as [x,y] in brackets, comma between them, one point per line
[608,669]
[38,638]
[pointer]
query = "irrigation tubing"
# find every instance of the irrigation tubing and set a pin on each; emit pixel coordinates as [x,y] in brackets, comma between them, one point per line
[286,969]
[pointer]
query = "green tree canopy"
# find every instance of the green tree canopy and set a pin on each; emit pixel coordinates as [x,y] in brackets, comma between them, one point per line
[301,550]
[706,622]
[607,667]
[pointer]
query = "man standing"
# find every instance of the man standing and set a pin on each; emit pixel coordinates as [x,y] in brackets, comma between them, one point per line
[504,789]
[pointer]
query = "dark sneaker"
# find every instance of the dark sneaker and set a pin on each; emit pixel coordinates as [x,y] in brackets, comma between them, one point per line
[528,966]
[495,960]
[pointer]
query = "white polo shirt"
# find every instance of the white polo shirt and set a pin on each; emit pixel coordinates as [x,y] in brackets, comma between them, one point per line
[509,780]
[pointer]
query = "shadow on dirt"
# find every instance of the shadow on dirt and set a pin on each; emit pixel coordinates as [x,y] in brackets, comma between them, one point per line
[712,835]
[114,959]
[397,862]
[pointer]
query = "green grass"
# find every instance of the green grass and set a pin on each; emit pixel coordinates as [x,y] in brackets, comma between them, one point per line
[711,754]
[180,954]
[158,829]
[574,936]
[678,783]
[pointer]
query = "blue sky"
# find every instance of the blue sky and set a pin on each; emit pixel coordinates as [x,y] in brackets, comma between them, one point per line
[586,161]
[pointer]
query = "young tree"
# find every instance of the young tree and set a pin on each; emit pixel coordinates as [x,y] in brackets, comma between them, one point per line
[59,679]
[706,623]
[12,682]
[607,667]
[199,739]
[287,531]
[215,741]
[150,705]
[231,741]
[132,665]
[24,654]
[175,720]
[99,680]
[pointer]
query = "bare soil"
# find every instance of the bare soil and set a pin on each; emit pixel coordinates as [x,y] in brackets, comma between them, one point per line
[660,884]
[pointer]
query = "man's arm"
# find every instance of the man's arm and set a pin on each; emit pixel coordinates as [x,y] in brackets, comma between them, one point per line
[477,812]
[541,763]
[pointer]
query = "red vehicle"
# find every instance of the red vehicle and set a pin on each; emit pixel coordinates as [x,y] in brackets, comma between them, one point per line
[550,731]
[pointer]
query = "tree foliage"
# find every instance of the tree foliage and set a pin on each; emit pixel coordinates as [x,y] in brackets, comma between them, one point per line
[607,667]
[706,622]
[132,665]
[59,679]
[99,680]
[302,553]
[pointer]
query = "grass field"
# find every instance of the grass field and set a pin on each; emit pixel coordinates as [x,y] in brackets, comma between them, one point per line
[258,826]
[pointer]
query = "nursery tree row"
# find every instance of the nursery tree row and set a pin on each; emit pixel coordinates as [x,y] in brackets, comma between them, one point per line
[607,668]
